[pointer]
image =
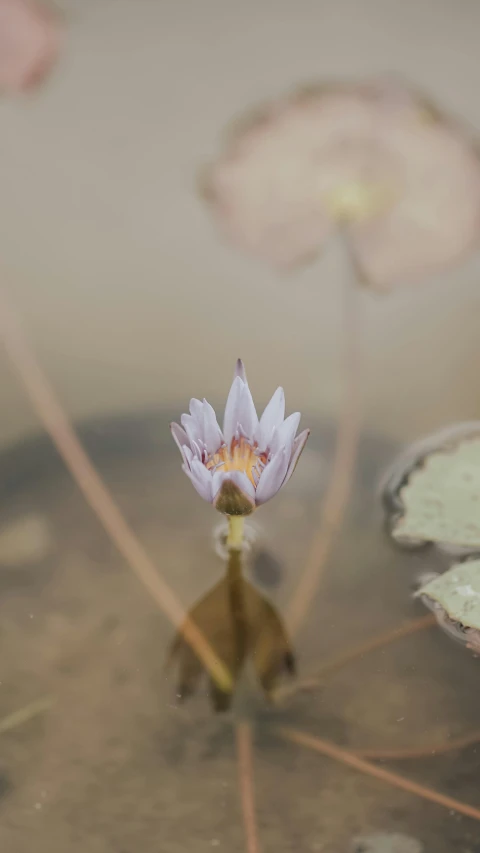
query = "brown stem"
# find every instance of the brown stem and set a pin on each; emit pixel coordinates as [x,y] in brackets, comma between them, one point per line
[334,504]
[351,760]
[374,643]
[57,425]
[419,752]
[333,665]
[247,793]
[23,715]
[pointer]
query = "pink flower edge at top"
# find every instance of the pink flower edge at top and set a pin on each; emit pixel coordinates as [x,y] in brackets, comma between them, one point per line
[245,464]
[30,37]
[402,180]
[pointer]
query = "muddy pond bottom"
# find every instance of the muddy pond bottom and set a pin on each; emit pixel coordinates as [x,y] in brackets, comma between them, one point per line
[97,755]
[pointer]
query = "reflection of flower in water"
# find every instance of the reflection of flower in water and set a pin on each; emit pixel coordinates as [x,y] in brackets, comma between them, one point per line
[29,37]
[404,183]
[241,624]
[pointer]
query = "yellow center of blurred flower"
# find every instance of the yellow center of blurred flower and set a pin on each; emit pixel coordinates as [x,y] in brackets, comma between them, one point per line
[354,201]
[240,456]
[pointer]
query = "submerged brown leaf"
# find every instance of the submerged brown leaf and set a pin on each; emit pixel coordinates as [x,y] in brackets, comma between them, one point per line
[240,624]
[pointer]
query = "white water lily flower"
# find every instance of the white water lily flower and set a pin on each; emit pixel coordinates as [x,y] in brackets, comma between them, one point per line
[245,465]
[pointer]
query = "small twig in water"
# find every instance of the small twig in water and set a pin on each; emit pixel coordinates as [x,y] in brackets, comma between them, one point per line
[334,504]
[23,715]
[332,666]
[57,425]
[351,760]
[419,752]
[247,793]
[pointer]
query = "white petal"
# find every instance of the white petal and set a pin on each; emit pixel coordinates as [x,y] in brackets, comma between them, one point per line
[217,480]
[197,448]
[201,479]
[212,435]
[188,456]
[272,476]
[193,428]
[196,409]
[232,409]
[244,484]
[271,419]
[240,371]
[298,446]
[240,432]
[180,437]
[247,413]
[238,477]
[240,498]
[285,434]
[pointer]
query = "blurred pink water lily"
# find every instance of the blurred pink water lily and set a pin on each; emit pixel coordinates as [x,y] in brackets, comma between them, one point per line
[29,43]
[244,465]
[403,182]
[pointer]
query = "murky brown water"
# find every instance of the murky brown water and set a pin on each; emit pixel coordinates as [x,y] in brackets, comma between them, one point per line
[116,766]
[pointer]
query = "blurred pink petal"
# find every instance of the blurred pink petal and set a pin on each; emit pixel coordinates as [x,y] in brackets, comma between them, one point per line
[374,158]
[269,187]
[436,217]
[29,43]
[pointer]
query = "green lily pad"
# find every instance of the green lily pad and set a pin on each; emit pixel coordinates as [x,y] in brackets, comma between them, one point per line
[457,591]
[440,501]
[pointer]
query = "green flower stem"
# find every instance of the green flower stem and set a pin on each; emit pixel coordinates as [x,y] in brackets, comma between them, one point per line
[235,532]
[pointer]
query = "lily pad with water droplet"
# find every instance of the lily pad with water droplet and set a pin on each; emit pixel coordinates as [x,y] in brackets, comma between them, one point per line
[433,493]
[457,592]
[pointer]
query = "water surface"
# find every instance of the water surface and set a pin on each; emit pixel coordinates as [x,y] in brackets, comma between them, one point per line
[116,765]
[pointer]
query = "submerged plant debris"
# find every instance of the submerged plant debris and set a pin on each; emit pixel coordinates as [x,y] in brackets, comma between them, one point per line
[241,625]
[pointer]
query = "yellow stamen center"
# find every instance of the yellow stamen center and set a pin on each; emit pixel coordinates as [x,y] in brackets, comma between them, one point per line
[240,456]
[354,201]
